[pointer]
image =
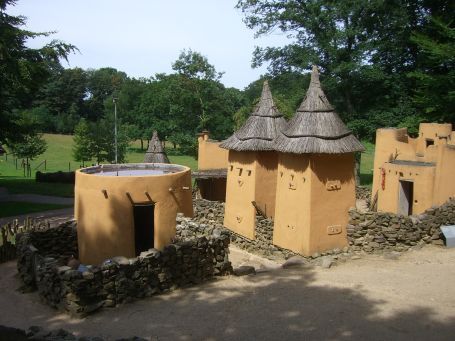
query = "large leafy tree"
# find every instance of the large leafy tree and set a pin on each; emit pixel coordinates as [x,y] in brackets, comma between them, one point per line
[22,71]
[364,48]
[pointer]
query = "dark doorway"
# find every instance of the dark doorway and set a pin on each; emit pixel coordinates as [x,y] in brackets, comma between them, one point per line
[144,227]
[429,142]
[405,197]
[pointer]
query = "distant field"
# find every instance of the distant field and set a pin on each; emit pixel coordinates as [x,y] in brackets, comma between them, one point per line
[58,157]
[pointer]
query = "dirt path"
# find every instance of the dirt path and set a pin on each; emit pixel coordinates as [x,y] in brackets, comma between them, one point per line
[366,299]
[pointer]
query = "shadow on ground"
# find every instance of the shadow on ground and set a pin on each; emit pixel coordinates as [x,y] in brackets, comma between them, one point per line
[279,305]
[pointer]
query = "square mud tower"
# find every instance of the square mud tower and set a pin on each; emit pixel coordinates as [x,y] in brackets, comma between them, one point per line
[122,210]
[252,167]
[315,180]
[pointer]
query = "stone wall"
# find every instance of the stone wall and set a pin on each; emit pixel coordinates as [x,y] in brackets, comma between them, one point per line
[376,231]
[209,216]
[36,247]
[118,280]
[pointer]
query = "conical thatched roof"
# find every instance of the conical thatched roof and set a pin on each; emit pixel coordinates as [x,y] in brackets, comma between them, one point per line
[260,129]
[155,152]
[316,127]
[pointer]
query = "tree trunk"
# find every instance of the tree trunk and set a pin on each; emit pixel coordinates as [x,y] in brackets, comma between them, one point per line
[142,144]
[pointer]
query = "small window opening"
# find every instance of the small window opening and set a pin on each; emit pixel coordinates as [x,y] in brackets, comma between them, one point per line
[429,142]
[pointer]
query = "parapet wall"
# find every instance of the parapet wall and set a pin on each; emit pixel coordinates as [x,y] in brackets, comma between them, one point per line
[42,259]
[377,231]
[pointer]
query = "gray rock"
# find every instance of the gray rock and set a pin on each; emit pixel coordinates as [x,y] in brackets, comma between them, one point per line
[294,261]
[120,260]
[327,262]
[244,270]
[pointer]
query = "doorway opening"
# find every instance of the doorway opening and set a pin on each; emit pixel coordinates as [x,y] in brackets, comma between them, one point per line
[144,227]
[406,197]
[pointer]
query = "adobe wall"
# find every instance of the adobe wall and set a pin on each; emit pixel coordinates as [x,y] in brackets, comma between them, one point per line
[104,211]
[308,188]
[293,202]
[444,178]
[266,179]
[240,192]
[423,178]
[42,259]
[210,155]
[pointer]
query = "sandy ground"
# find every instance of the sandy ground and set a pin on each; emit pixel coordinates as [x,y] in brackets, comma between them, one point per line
[371,298]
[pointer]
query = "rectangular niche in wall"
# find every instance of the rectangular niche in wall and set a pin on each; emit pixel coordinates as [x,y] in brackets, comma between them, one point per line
[405,197]
[144,227]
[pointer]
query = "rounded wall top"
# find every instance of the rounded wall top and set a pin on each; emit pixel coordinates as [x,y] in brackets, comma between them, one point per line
[134,169]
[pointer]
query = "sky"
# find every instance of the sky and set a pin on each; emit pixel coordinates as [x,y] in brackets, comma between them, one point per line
[144,37]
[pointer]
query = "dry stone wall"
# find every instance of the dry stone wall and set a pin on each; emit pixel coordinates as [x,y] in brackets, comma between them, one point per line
[118,280]
[376,231]
[209,216]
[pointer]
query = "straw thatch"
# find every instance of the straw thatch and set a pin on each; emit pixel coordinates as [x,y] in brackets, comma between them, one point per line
[260,129]
[316,127]
[155,152]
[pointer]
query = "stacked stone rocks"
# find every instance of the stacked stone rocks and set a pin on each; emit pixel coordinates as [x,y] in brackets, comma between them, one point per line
[363,193]
[376,231]
[118,280]
[209,216]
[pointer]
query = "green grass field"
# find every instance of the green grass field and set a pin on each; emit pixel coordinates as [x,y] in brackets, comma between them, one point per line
[58,157]
[9,209]
[366,164]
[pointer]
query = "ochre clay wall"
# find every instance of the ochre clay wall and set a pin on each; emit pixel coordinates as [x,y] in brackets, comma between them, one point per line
[266,177]
[314,195]
[210,155]
[432,185]
[239,213]
[445,175]
[293,202]
[332,195]
[391,144]
[422,177]
[106,224]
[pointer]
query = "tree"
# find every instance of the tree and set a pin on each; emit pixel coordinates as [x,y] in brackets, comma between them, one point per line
[29,148]
[22,71]
[82,142]
[366,50]
[197,73]
[435,74]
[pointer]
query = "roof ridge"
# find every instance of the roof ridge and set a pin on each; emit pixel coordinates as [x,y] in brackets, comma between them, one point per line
[315,99]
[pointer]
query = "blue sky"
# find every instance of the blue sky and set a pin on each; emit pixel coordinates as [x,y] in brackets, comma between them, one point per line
[144,37]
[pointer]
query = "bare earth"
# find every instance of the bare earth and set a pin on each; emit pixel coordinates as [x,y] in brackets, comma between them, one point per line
[372,298]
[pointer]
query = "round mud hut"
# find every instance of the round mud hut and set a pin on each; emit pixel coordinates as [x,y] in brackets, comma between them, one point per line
[124,209]
[316,183]
[252,167]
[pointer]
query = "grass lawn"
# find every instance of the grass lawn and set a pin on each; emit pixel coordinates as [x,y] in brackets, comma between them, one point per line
[366,165]
[10,209]
[58,157]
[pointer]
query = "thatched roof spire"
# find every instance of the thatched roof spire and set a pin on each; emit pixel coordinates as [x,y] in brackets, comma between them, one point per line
[260,129]
[155,152]
[316,127]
